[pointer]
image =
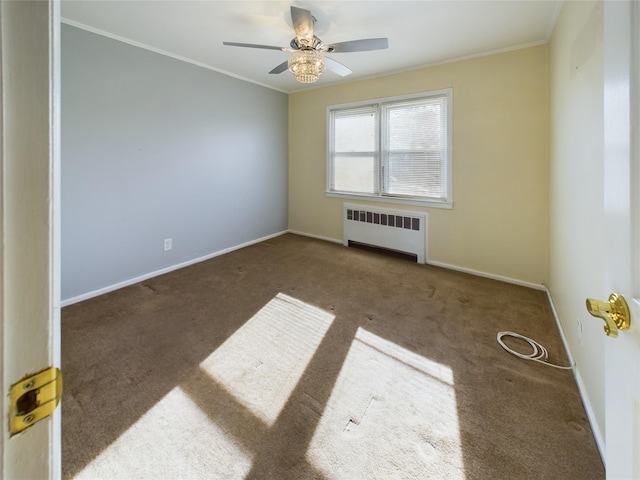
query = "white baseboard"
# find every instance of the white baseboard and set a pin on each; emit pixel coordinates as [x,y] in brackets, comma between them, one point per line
[318,237]
[443,265]
[162,271]
[597,434]
[488,275]
[565,343]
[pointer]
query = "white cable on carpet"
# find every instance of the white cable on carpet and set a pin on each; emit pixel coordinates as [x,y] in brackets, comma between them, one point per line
[539,353]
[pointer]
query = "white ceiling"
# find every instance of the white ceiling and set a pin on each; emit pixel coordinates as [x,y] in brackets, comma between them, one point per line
[420,32]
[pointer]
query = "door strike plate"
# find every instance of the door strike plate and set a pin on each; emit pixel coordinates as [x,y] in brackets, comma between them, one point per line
[33,398]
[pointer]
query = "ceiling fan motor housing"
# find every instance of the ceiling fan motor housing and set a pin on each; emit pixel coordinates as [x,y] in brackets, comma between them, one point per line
[301,44]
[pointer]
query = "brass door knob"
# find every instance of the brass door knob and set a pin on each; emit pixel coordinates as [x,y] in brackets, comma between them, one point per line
[615,313]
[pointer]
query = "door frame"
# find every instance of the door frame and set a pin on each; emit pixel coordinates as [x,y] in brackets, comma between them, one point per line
[30,304]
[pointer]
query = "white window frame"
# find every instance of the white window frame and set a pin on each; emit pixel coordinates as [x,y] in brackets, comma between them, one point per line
[381,197]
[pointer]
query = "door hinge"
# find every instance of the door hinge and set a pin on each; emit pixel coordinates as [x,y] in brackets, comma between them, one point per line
[33,398]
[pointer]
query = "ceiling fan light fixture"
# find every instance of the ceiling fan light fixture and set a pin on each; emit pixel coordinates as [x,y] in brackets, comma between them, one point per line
[306,65]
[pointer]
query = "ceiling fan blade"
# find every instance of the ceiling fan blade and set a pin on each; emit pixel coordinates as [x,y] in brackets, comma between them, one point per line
[303,25]
[363,45]
[336,67]
[280,68]
[253,45]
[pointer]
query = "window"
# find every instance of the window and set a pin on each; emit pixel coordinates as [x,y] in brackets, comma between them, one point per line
[394,149]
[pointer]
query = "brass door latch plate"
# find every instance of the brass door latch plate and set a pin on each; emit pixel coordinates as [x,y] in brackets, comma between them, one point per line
[33,398]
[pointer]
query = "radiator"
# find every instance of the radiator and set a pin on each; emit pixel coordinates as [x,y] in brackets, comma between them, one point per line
[398,230]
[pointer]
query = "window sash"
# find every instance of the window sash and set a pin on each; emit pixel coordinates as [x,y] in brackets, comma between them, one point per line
[352,163]
[414,148]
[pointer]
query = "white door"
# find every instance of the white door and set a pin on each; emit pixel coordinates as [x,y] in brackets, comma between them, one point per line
[622,224]
[29,259]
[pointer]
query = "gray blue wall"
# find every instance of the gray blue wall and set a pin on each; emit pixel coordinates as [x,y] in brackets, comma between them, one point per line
[156,148]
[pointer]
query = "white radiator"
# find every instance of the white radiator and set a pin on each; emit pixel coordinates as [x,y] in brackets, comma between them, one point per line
[399,230]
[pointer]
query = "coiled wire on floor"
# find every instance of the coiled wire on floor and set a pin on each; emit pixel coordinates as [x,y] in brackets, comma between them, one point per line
[539,353]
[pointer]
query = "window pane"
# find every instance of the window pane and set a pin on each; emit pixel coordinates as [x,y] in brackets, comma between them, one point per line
[355,132]
[354,174]
[415,174]
[416,125]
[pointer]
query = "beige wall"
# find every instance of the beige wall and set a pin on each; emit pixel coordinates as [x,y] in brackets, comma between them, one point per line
[576,191]
[499,222]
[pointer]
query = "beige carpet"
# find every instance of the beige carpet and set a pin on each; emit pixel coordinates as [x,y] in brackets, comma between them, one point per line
[300,359]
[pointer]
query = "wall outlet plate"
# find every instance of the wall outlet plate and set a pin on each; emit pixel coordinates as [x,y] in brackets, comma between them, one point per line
[168,244]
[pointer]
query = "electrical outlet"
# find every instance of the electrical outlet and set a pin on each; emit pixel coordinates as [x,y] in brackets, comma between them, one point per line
[579,330]
[168,244]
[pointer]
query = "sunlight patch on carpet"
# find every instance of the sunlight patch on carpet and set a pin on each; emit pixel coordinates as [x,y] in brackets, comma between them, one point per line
[170,441]
[391,410]
[262,362]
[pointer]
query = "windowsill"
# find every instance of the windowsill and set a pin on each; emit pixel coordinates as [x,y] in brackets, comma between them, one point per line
[396,200]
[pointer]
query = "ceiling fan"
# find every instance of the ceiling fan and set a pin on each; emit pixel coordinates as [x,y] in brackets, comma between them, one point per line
[307,60]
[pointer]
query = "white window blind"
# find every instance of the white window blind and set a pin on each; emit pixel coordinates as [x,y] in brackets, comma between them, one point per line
[414,149]
[395,148]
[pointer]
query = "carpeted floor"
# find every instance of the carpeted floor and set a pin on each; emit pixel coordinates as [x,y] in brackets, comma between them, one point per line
[300,359]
